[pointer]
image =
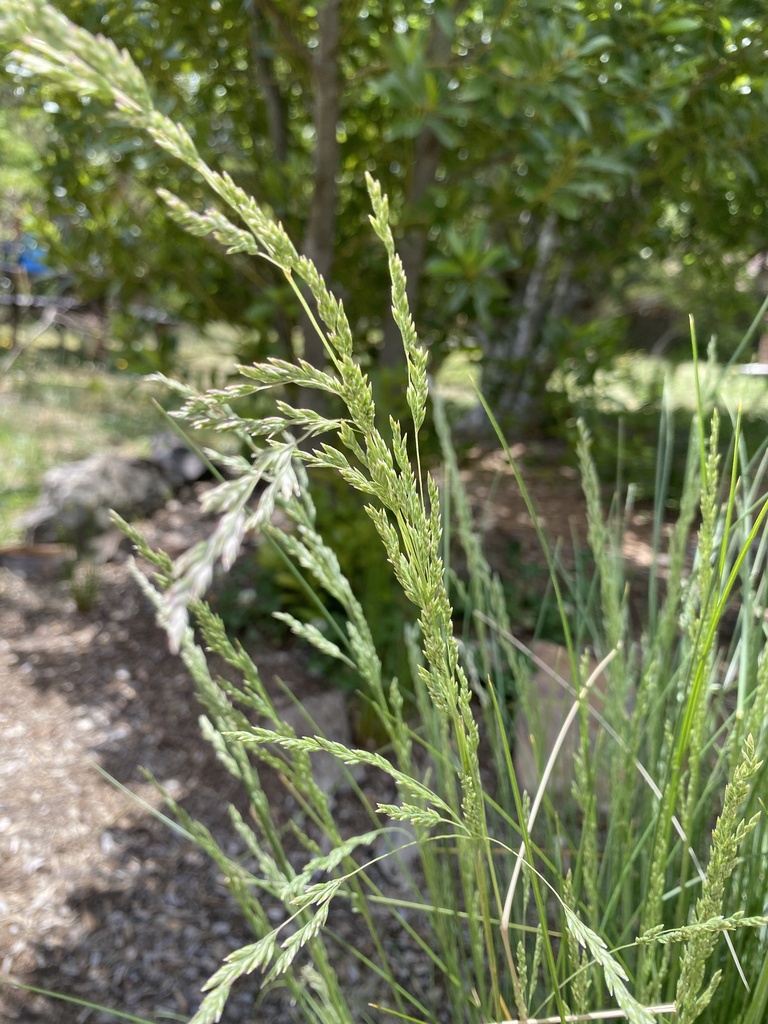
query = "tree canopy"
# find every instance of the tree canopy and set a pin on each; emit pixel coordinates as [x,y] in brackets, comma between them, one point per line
[542,161]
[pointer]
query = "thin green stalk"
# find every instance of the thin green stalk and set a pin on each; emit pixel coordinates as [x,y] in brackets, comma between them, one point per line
[541,537]
[84,1003]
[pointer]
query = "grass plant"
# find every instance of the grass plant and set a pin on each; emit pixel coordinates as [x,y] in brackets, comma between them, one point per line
[84,585]
[649,905]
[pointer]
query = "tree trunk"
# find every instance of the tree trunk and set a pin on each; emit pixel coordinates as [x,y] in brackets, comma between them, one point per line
[536,292]
[515,364]
[319,240]
[273,101]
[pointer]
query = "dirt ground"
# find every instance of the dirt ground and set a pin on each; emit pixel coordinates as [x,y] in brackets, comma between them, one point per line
[99,900]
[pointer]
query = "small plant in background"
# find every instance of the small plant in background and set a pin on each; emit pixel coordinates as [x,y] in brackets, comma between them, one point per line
[84,585]
[618,900]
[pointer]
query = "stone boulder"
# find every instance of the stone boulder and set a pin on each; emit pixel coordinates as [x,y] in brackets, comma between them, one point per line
[554,694]
[180,465]
[76,498]
[323,714]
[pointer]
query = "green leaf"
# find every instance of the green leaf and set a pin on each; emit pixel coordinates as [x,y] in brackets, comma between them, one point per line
[595,45]
[440,266]
[607,164]
[676,26]
[567,206]
[594,189]
[507,103]
[446,134]
[479,88]
[578,111]
[406,128]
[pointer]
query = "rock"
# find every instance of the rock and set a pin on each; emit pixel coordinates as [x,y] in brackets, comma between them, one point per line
[77,498]
[180,465]
[550,703]
[326,715]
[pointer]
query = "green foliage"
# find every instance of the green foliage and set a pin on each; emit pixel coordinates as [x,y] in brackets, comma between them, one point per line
[503,876]
[622,404]
[540,160]
[20,179]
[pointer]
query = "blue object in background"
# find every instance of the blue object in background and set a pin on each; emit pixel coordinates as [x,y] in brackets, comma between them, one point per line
[32,256]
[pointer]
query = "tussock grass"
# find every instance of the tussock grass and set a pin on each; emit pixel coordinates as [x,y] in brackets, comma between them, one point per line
[649,907]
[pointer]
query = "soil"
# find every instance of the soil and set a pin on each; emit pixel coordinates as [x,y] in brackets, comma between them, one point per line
[101,900]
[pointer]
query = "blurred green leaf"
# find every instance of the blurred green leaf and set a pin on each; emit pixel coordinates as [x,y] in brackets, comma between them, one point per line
[677,26]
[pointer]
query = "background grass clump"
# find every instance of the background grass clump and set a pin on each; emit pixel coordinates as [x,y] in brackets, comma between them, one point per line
[626,399]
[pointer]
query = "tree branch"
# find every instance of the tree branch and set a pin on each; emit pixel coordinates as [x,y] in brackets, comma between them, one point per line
[273,101]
